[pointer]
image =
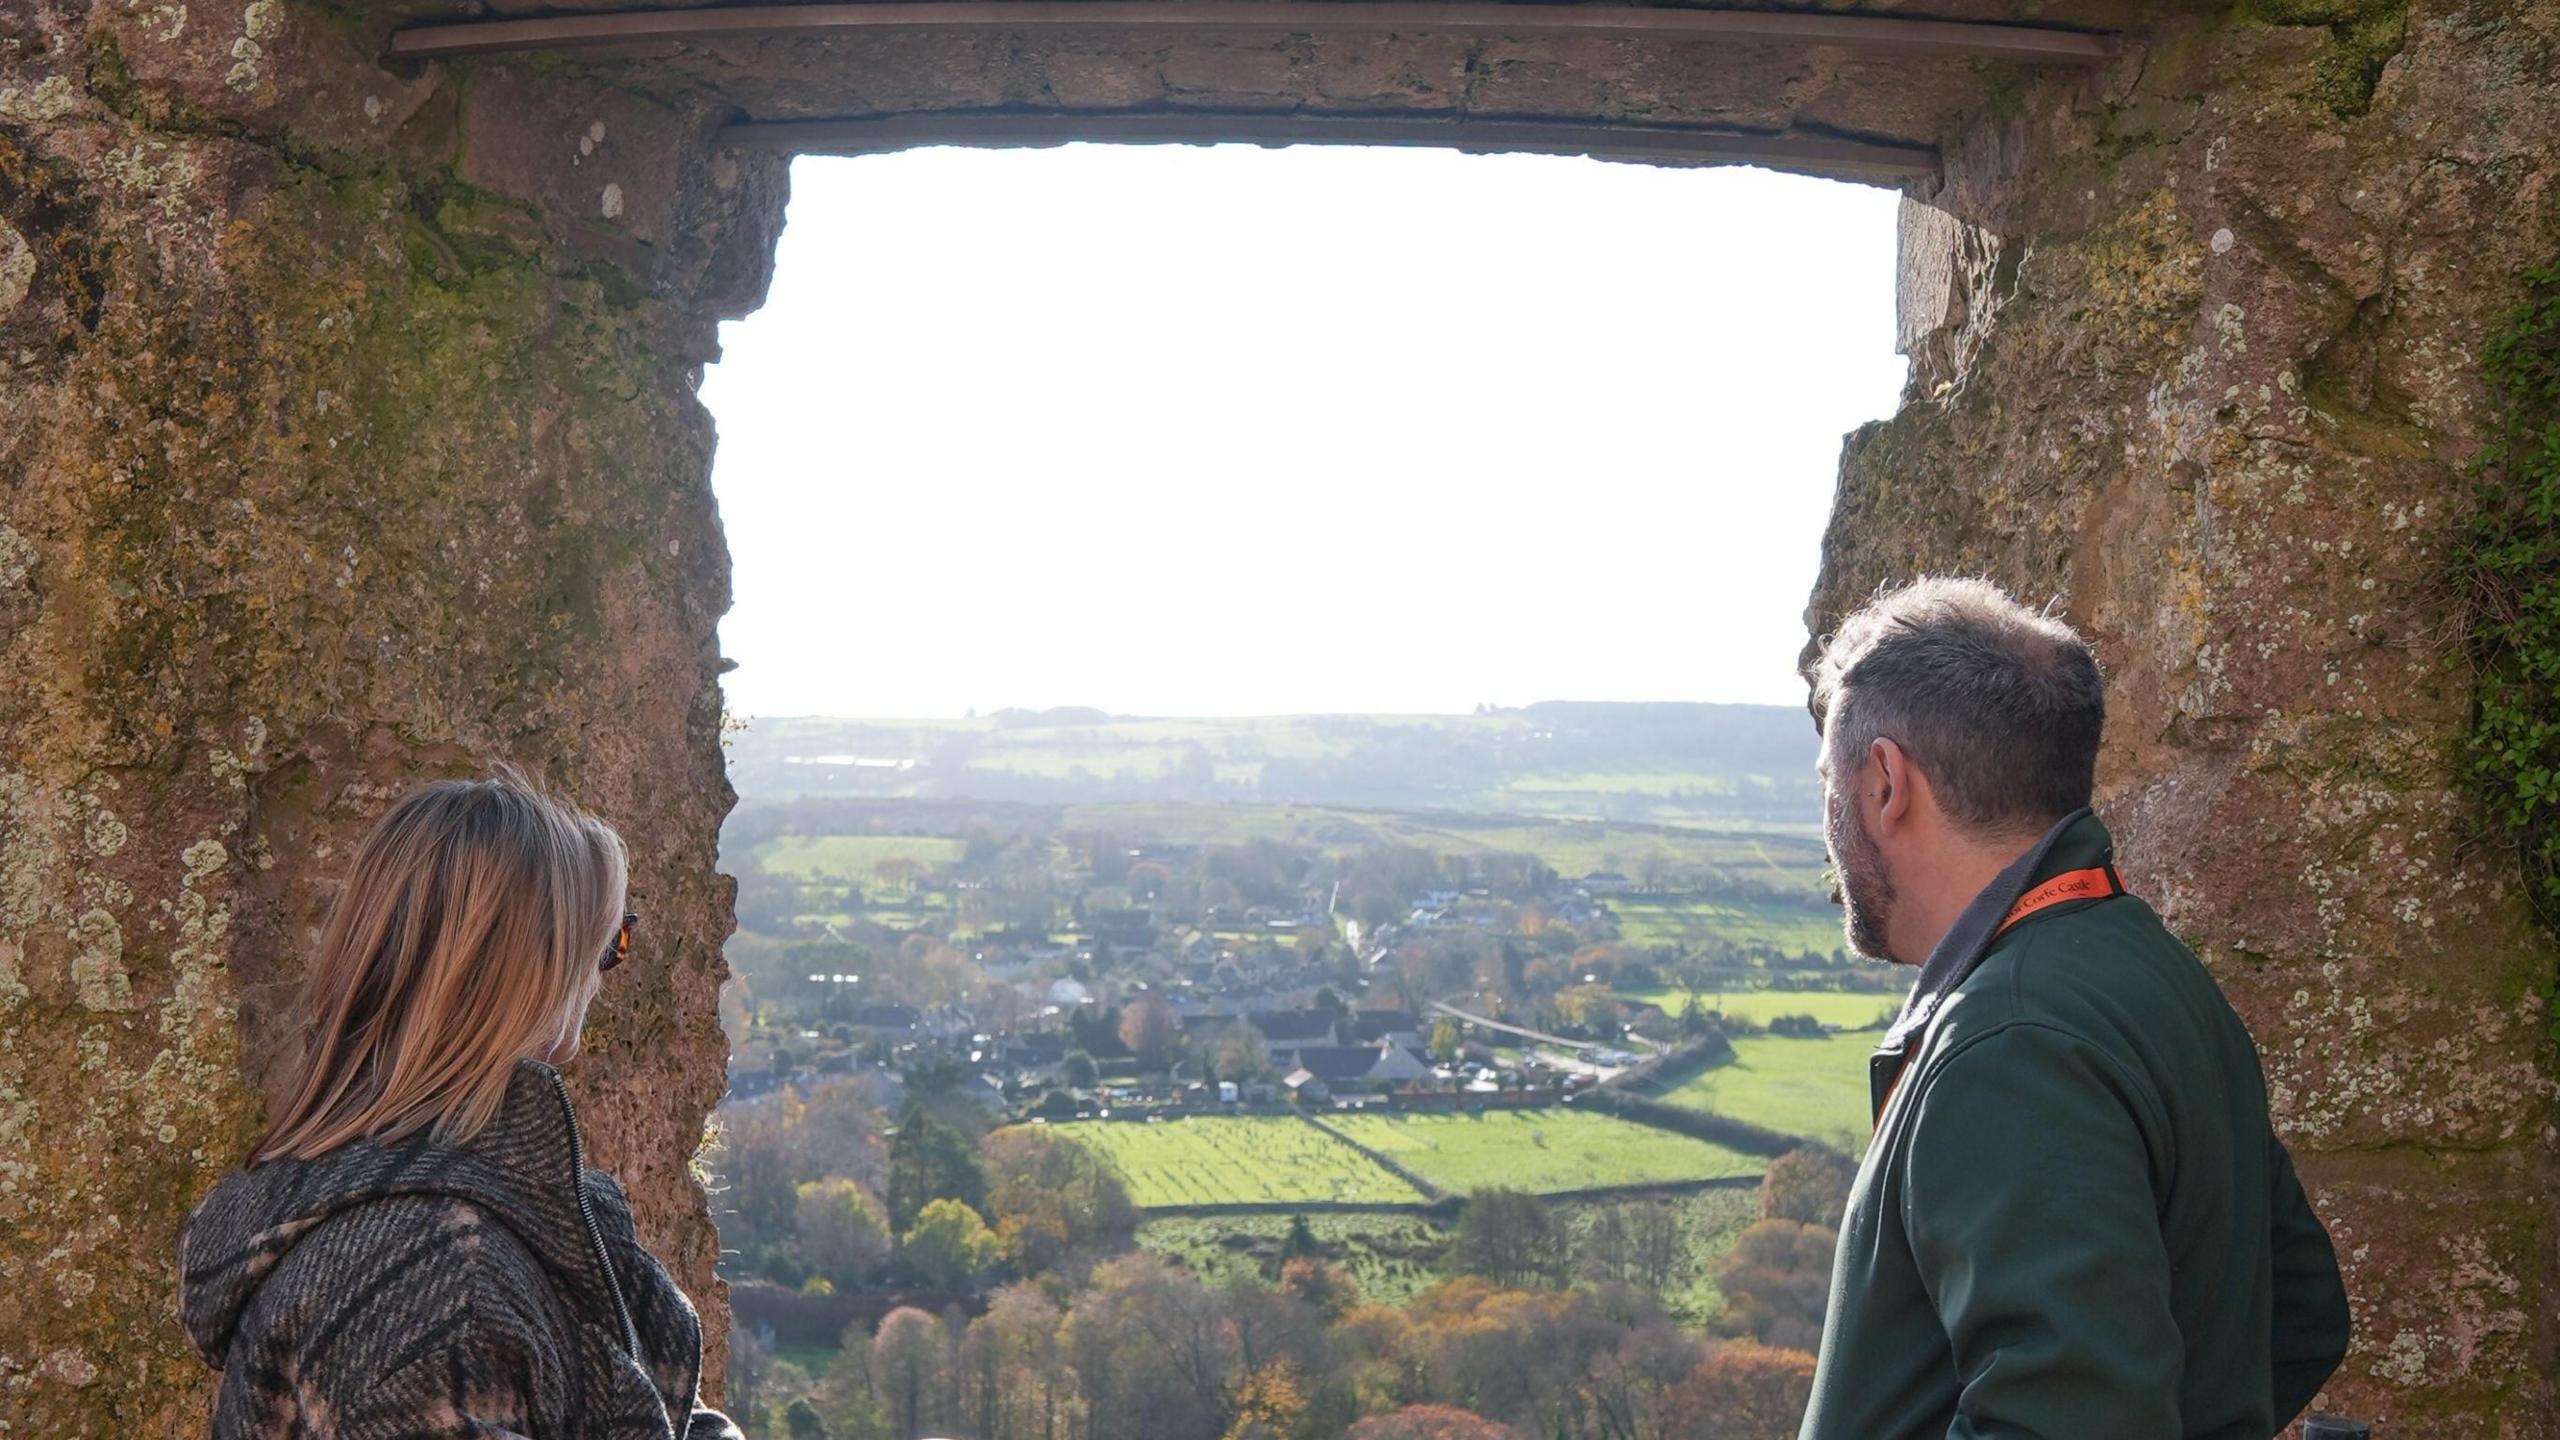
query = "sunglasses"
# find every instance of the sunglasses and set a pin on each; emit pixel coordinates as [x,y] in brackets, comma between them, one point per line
[618,949]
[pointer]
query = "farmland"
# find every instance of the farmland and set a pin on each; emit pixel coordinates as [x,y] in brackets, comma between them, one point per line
[1680,920]
[1541,1150]
[1683,764]
[1237,1160]
[853,859]
[1841,1009]
[1811,1087]
[1391,1258]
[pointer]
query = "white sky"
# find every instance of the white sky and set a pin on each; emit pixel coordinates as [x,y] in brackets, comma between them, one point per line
[1188,431]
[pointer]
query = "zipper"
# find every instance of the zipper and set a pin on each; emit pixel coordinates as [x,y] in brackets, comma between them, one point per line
[595,1232]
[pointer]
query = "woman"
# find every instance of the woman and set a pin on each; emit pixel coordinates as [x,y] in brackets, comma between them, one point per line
[416,1247]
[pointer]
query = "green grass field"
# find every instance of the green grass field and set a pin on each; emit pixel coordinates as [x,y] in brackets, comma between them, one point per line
[1236,1160]
[1648,920]
[851,858]
[1572,847]
[1541,1150]
[1813,1088]
[1847,1010]
[1390,1257]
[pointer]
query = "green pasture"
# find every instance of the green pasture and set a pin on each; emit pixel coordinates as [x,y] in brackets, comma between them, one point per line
[1390,1257]
[1808,1087]
[1558,1148]
[1571,847]
[1842,1009]
[852,858]
[1648,920]
[1236,1160]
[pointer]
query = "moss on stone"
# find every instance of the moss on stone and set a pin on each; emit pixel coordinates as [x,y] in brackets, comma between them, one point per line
[2364,35]
[2509,567]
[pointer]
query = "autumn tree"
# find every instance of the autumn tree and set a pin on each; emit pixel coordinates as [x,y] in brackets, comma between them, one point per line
[1508,1237]
[909,1370]
[948,1245]
[1318,1284]
[1808,1185]
[1241,1054]
[1635,1242]
[1430,1422]
[1444,1039]
[843,1232]
[1151,1031]
[1268,1405]
[1776,1282]
[1048,1197]
[1745,1391]
[755,1158]
[1031,1394]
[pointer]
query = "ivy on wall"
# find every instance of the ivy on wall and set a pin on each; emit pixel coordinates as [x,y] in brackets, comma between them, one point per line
[2511,566]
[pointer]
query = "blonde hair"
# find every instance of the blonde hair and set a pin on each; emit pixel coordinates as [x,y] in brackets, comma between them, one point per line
[460,942]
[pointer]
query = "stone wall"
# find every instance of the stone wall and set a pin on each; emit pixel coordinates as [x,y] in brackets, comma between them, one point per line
[2195,350]
[347,438]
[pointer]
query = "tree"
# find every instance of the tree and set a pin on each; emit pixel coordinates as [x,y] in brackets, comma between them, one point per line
[1316,1283]
[898,872]
[1048,1197]
[801,1419]
[908,1361]
[840,1131]
[949,1244]
[1242,1055]
[1032,1395]
[1508,1237]
[1151,1030]
[1268,1404]
[1299,1242]
[755,1158]
[1430,1422]
[1152,1351]
[1809,1185]
[1444,1039]
[1776,1282]
[843,1233]
[1746,1391]
[1081,1072]
[930,1161]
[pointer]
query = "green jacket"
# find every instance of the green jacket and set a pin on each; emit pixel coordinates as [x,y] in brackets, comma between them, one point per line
[2075,1221]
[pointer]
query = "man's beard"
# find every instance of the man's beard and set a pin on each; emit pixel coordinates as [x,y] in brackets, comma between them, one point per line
[1857,866]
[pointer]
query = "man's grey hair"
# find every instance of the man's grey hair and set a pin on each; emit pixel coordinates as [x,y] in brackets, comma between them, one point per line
[2000,706]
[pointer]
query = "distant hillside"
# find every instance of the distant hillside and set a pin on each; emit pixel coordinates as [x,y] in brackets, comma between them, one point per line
[1667,763]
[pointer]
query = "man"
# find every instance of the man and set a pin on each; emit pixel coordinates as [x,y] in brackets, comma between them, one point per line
[2074,1221]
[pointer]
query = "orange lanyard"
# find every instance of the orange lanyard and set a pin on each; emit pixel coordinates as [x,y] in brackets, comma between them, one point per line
[2097,882]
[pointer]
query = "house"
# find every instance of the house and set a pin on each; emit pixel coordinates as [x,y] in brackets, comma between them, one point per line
[1304,1085]
[1036,1052]
[1069,993]
[1351,1065]
[1289,1028]
[1395,1027]
[1606,882]
[902,1019]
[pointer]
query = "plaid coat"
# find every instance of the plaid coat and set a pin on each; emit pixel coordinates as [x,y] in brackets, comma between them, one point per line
[422,1290]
